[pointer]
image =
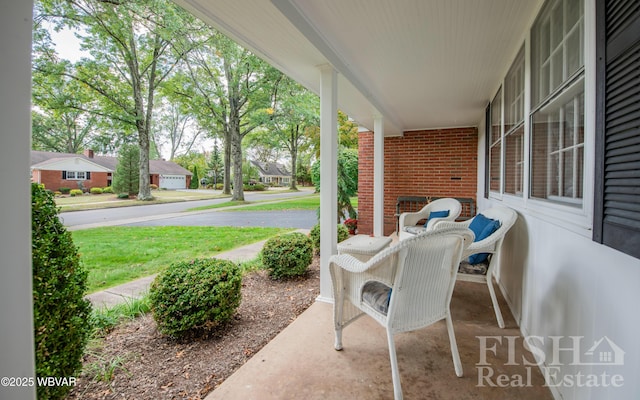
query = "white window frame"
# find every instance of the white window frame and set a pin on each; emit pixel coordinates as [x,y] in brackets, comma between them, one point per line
[76,175]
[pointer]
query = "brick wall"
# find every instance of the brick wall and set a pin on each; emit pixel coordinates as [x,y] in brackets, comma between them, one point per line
[52,180]
[433,163]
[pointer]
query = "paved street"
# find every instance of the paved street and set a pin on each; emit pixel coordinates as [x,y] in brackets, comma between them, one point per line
[174,214]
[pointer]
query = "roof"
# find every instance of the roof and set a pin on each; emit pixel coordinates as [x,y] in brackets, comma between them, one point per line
[271,169]
[49,160]
[420,64]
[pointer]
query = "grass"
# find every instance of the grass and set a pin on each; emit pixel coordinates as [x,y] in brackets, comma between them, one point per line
[109,200]
[311,202]
[115,255]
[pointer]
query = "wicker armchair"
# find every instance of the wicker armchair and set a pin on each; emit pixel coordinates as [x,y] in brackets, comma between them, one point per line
[408,220]
[491,245]
[404,288]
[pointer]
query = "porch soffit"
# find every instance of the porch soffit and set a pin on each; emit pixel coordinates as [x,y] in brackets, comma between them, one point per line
[421,64]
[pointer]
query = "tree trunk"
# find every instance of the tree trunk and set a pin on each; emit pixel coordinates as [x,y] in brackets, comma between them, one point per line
[236,148]
[227,163]
[294,158]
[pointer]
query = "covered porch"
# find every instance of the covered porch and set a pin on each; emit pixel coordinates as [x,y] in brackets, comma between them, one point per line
[300,363]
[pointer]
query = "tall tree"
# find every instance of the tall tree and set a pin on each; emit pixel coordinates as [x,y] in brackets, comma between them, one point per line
[135,44]
[347,134]
[61,121]
[229,88]
[295,111]
[126,177]
[174,128]
[215,167]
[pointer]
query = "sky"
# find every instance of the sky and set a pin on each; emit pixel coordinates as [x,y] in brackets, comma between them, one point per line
[67,45]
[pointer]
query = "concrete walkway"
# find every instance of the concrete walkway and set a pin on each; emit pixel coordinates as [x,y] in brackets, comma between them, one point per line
[137,288]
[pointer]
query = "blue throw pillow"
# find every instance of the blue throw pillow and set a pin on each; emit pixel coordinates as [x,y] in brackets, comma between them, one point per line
[437,214]
[482,227]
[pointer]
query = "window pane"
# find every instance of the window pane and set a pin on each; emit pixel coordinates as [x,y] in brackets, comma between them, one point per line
[514,161]
[557,41]
[557,148]
[494,173]
[495,142]
[514,92]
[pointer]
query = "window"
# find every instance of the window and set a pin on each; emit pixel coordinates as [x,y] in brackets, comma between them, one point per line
[495,143]
[506,132]
[514,126]
[76,175]
[557,120]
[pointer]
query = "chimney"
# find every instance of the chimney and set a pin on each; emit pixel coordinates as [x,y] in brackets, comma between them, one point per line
[88,153]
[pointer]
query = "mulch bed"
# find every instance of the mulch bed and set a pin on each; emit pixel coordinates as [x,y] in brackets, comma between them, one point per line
[147,365]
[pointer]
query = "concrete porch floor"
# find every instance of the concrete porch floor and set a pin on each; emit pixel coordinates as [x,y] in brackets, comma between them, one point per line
[301,363]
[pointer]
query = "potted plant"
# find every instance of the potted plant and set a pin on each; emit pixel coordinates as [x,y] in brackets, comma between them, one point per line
[352,225]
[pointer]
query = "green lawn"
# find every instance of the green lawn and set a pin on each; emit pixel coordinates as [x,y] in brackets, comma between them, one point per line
[108,200]
[311,202]
[115,255]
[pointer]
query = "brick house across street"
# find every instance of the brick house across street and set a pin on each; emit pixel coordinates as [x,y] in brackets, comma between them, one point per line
[87,170]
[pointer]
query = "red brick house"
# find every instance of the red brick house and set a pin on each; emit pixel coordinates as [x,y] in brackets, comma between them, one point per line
[87,170]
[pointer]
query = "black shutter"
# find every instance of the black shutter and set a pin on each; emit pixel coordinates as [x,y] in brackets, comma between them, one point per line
[487,150]
[64,174]
[617,202]
[88,175]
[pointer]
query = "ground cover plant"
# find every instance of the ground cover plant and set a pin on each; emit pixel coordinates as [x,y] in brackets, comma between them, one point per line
[144,251]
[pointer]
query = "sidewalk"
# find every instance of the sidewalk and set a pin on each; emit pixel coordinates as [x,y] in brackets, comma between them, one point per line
[135,289]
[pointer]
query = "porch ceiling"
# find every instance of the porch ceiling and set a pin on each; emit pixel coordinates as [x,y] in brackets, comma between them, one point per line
[421,64]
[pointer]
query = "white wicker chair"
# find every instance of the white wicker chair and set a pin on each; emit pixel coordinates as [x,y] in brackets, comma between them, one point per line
[491,245]
[420,271]
[410,219]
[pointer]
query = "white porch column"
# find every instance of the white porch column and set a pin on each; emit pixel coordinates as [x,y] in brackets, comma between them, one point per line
[16,309]
[328,175]
[378,176]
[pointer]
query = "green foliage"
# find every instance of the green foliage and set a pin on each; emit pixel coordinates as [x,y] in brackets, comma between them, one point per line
[195,297]
[64,190]
[123,195]
[195,179]
[103,320]
[347,180]
[258,187]
[75,192]
[60,312]
[107,189]
[127,175]
[288,255]
[215,167]
[343,234]
[96,190]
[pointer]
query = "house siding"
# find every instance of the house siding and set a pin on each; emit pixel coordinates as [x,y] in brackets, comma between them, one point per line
[52,180]
[442,162]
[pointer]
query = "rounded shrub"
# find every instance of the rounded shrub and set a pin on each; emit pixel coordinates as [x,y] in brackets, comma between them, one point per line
[96,190]
[123,195]
[107,189]
[75,192]
[195,297]
[343,234]
[61,315]
[288,255]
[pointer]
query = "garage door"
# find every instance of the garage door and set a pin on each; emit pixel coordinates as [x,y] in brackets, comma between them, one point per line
[173,182]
